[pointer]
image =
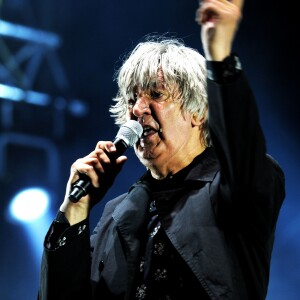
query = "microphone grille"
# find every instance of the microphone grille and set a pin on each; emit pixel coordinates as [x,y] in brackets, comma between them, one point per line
[130,132]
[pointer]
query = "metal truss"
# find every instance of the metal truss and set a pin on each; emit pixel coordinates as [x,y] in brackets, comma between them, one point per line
[19,70]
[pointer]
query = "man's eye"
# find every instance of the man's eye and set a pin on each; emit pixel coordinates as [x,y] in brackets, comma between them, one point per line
[131,102]
[154,94]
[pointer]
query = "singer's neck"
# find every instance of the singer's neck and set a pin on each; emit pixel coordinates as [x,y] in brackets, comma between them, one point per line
[172,166]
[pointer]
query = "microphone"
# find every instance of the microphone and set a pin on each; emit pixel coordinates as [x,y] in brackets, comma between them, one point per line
[127,136]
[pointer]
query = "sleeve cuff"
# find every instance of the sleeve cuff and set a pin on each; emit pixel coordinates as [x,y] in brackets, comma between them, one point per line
[225,71]
[61,232]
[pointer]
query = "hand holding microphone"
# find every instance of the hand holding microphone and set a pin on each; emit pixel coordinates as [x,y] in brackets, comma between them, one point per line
[127,136]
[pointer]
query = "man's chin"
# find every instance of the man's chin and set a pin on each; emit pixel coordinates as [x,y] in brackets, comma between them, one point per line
[144,153]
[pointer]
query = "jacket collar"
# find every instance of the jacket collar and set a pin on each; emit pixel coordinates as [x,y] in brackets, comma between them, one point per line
[136,203]
[205,167]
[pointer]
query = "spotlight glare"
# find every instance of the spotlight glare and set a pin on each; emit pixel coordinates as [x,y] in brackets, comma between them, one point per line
[29,204]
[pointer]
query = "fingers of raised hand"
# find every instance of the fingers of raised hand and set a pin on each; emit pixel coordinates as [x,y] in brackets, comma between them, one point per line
[213,9]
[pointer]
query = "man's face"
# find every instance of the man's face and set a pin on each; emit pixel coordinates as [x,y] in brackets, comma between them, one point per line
[167,130]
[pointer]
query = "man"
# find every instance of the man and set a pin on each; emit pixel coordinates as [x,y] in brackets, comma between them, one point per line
[200,223]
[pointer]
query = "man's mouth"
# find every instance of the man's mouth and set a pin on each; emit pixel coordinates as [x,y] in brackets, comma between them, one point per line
[148,130]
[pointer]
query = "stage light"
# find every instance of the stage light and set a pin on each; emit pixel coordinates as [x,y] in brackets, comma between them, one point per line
[17,31]
[78,108]
[29,204]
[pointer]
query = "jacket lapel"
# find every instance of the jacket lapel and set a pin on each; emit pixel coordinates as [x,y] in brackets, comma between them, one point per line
[130,216]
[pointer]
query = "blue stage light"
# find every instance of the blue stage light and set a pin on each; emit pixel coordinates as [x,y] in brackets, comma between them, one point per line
[29,204]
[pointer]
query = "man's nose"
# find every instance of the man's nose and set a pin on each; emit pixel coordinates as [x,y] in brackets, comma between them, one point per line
[141,107]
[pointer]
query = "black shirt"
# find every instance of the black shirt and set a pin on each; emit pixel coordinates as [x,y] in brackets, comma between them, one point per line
[162,273]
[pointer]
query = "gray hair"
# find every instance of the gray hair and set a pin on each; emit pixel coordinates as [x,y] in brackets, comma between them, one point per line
[182,67]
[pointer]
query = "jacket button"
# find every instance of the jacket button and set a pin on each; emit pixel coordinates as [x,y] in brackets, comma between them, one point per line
[101,266]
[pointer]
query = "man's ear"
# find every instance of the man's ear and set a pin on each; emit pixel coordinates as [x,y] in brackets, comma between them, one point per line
[198,120]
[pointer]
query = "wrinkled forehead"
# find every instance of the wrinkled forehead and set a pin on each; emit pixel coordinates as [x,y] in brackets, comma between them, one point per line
[156,81]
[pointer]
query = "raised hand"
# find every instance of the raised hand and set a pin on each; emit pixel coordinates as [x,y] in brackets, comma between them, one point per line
[219,20]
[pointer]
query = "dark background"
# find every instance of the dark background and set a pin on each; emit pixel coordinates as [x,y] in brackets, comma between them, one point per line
[95,35]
